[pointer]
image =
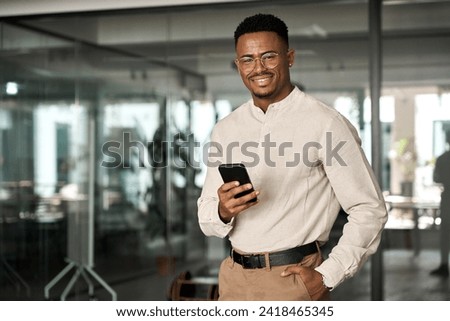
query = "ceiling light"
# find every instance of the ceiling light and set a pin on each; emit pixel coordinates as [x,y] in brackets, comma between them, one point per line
[12,88]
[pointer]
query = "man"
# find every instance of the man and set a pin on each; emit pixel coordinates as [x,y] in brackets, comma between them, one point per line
[442,175]
[305,162]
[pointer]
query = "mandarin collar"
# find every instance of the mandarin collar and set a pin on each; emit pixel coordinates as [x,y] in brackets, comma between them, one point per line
[279,104]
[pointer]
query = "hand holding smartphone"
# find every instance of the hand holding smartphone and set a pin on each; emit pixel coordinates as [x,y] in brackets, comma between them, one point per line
[236,172]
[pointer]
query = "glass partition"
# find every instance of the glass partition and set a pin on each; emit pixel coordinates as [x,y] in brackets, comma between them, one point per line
[93,168]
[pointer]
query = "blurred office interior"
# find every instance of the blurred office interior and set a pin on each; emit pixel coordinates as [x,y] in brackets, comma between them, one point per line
[99,103]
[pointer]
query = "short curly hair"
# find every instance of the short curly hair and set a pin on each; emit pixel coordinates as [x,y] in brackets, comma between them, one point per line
[262,22]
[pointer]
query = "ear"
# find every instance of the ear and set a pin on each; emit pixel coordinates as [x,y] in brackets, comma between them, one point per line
[291,57]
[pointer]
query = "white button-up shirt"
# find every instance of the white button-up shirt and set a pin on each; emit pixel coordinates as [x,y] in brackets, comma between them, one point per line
[306,161]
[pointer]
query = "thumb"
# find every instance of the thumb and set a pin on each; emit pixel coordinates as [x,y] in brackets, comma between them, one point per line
[286,272]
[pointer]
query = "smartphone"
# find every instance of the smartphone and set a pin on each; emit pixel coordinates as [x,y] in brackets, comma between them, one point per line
[236,172]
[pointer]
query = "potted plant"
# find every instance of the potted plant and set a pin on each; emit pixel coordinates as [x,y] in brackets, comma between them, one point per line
[405,157]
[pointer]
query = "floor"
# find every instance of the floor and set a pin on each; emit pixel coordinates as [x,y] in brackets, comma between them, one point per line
[406,278]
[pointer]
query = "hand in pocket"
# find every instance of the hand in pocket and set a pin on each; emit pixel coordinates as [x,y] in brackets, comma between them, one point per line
[312,279]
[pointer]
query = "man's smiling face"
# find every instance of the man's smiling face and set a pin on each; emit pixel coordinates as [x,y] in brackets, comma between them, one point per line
[267,86]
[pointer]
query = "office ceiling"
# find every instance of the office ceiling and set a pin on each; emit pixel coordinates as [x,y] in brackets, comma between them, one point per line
[330,38]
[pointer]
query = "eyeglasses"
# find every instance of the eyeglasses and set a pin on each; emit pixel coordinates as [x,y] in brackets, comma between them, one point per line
[268,60]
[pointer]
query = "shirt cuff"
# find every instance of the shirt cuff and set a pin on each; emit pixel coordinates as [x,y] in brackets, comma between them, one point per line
[224,228]
[332,275]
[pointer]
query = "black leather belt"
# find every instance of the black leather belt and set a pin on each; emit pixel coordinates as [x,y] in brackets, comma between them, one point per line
[290,256]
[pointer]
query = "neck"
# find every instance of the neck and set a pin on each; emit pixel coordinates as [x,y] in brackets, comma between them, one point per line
[264,102]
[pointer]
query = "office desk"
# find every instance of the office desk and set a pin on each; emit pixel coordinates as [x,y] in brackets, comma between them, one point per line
[418,207]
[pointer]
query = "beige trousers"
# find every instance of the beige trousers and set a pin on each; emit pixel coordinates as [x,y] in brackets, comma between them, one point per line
[265,284]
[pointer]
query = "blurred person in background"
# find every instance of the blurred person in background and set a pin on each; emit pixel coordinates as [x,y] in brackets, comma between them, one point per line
[442,175]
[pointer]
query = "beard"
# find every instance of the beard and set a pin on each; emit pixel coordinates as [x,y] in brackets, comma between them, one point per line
[262,95]
[263,92]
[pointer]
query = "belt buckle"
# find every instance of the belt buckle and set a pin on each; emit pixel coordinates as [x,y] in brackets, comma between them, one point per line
[251,262]
[246,261]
